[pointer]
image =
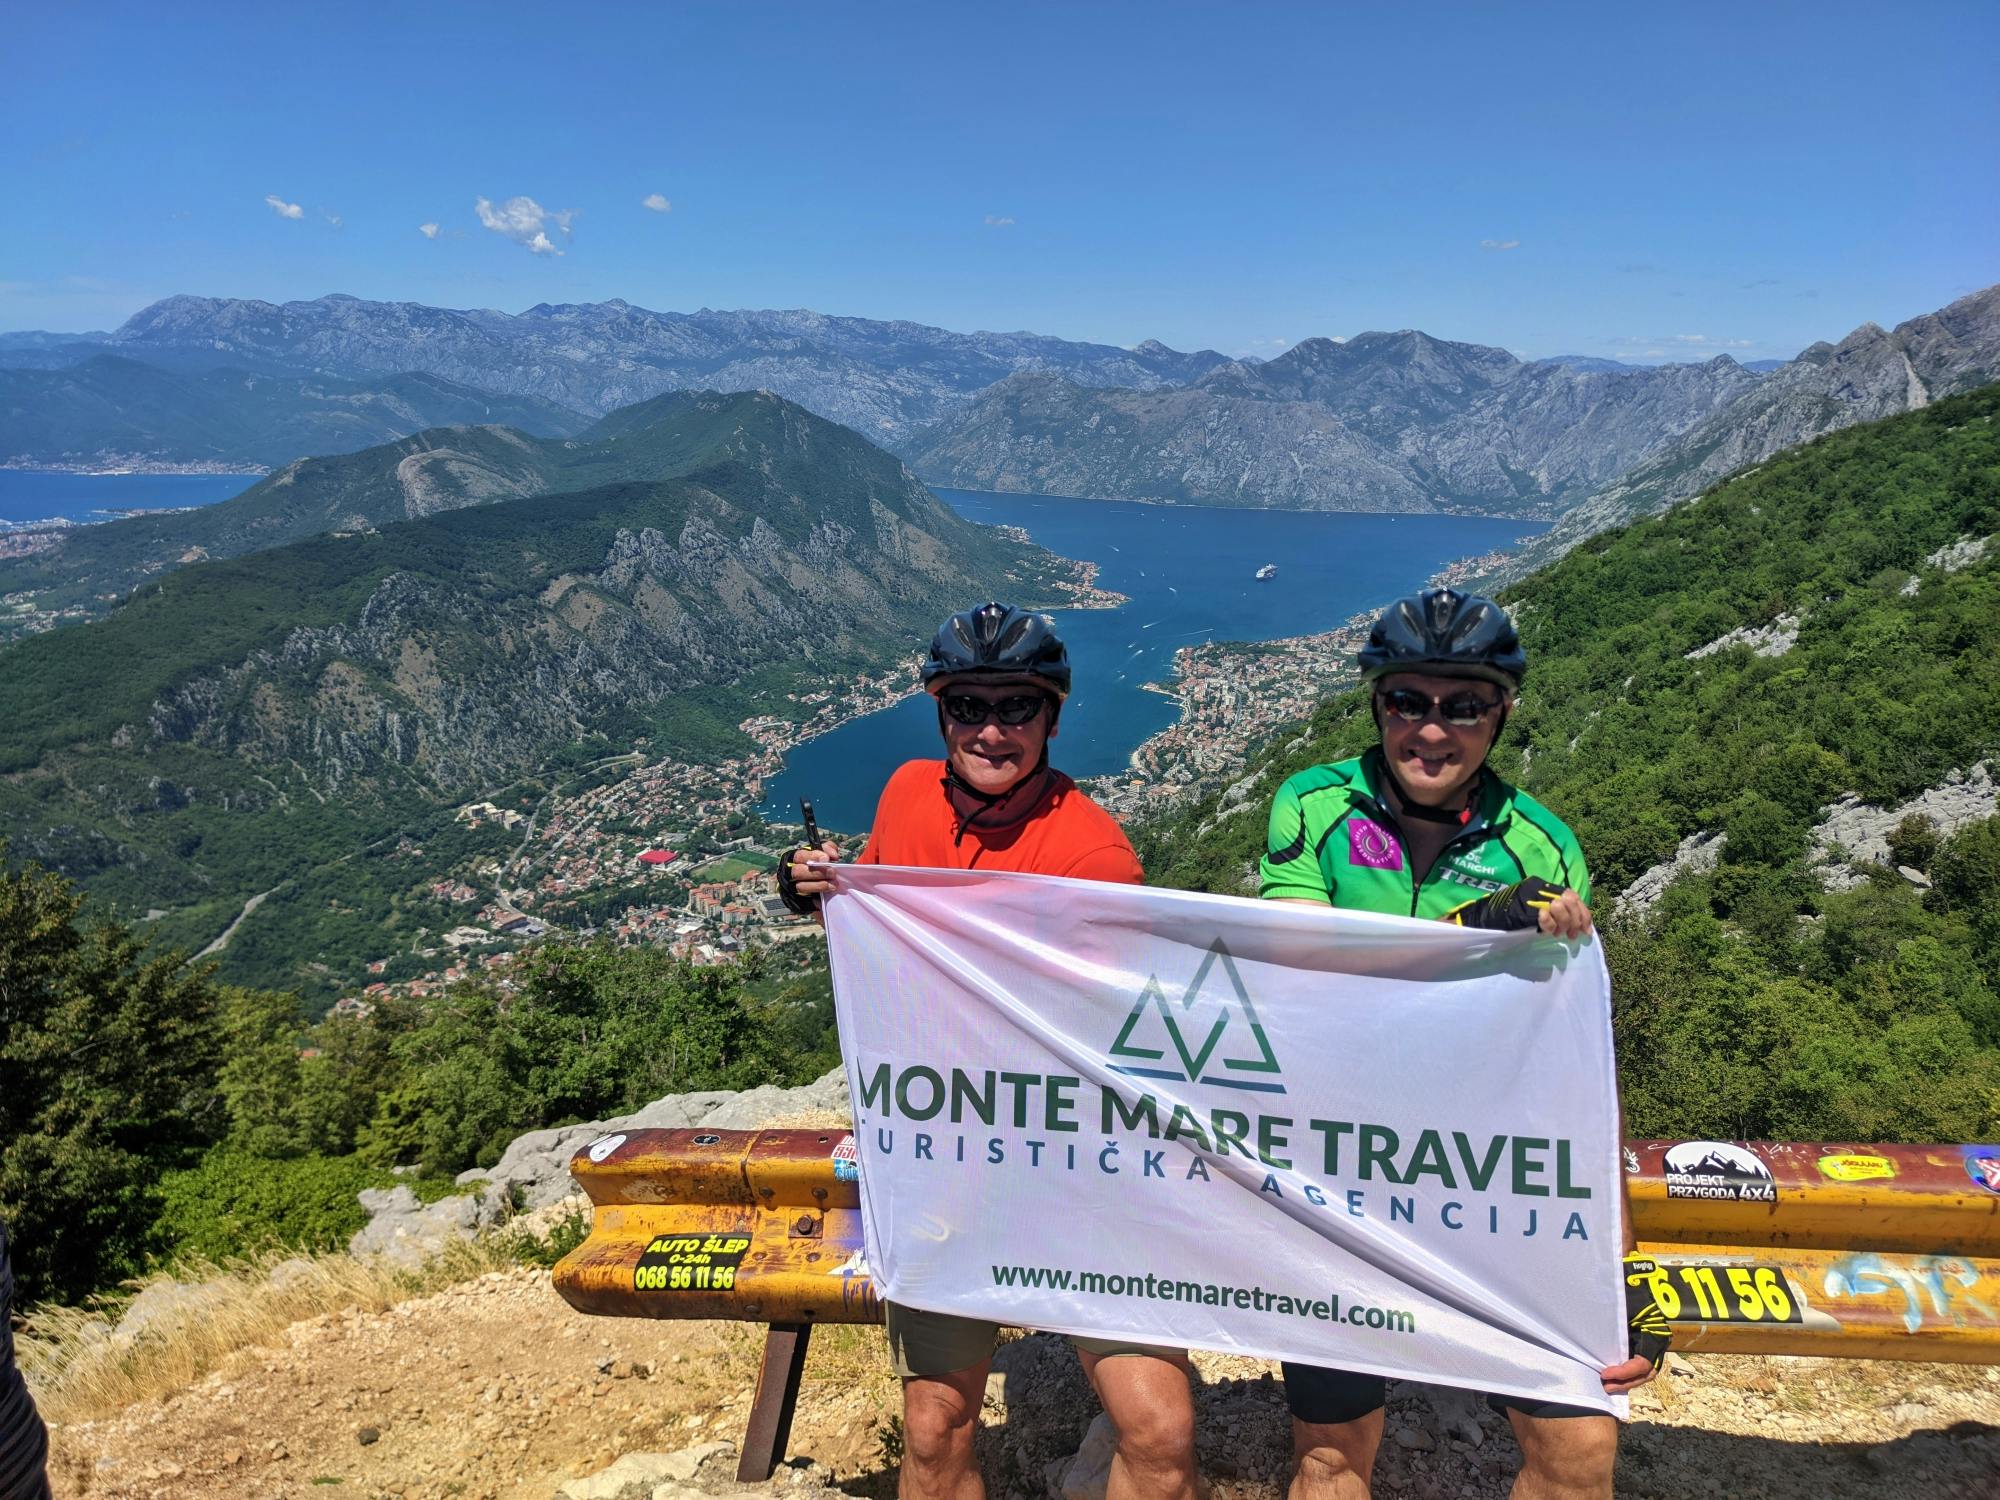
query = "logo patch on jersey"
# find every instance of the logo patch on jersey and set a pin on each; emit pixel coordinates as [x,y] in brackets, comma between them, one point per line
[1371,846]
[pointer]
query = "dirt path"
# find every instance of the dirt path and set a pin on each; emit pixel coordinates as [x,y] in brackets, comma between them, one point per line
[495,1390]
[242,916]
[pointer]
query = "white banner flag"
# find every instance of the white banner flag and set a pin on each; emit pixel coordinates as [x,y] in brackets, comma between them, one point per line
[1379,1144]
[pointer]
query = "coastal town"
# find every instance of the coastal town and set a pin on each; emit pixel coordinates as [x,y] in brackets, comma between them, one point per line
[669,853]
[649,850]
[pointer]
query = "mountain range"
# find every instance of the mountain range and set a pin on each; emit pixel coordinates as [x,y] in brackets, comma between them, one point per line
[1383,421]
[108,410]
[880,378]
[1868,375]
[86,570]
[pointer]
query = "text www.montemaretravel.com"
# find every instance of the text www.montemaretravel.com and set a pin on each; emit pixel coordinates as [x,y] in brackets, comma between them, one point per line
[1327,1309]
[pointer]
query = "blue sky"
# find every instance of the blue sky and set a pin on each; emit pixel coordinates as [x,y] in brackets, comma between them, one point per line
[1633,181]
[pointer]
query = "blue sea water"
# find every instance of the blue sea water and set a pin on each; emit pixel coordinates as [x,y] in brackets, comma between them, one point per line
[30,495]
[1188,572]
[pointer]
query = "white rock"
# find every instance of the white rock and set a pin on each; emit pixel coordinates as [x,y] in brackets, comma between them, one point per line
[634,1469]
[1699,852]
[638,1476]
[1850,833]
[1774,639]
[684,1465]
[1962,553]
[1086,1474]
[537,1164]
[408,1231]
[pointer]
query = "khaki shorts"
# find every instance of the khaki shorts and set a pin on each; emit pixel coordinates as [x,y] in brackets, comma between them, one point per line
[925,1344]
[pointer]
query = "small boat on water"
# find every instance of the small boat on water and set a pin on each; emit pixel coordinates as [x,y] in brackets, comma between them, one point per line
[1266,573]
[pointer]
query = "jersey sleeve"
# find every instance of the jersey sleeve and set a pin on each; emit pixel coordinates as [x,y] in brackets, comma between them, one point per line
[1289,870]
[1115,863]
[1579,874]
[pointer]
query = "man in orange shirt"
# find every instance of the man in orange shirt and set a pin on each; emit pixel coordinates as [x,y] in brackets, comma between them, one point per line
[994,802]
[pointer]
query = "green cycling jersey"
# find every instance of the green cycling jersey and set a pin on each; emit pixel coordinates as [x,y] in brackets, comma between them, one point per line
[1333,838]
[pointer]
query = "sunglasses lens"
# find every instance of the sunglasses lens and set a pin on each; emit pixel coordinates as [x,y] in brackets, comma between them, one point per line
[1406,703]
[1461,710]
[968,710]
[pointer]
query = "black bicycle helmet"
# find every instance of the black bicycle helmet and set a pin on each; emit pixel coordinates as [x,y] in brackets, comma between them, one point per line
[1446,634]
[996,643]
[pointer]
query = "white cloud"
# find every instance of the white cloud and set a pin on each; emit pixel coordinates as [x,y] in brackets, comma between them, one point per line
[1705,341]
[657,202]
[999,221]
[428,231]
[523,221]
[283,209]
[332,219]
[1499,244]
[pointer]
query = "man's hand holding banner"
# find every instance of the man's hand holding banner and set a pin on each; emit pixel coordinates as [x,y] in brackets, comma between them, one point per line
[1342,1139]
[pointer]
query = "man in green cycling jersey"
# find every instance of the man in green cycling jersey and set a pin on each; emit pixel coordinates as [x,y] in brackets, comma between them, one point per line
[1420,827]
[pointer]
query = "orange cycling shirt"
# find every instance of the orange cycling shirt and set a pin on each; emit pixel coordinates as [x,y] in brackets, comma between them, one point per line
[1064,833]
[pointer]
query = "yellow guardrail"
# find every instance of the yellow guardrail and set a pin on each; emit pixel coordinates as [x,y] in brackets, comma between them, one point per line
[1867,1252]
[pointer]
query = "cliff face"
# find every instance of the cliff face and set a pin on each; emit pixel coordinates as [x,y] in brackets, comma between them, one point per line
[880,378]
[1385,421]
[1868,375]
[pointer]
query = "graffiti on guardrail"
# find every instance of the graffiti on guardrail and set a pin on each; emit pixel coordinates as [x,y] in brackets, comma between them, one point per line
[1943,1284]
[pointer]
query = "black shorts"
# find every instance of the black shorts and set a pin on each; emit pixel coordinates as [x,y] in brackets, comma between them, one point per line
[1323,1396]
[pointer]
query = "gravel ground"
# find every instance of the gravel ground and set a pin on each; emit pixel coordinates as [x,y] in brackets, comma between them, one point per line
[496,1390]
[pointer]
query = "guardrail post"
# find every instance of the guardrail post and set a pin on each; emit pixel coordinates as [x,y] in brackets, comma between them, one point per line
[778,1377]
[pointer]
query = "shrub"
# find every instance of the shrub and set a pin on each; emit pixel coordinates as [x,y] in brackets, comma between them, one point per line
[234,1202]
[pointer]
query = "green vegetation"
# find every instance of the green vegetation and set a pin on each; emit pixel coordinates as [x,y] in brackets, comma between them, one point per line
[232,1200]
[109,1055]
[736,866]
[153,1116]
[293,722]
[1752,1002]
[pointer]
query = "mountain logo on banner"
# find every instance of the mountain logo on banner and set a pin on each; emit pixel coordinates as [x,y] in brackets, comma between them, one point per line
[1214,1007]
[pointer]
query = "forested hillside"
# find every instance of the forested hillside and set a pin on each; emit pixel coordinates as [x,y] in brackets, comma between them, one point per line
[1754,1001]
[90,569]
[268,720]
[151,1113]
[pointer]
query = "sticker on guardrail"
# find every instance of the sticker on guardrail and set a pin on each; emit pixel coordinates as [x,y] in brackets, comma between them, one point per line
[1718,1170]
[601,1149]
[1698,1293]
[690,1263]
[1982,1165]
[1855,1167]
[846,1160]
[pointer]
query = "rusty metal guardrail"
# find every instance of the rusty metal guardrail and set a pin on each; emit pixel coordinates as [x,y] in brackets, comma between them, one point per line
[1870,1252]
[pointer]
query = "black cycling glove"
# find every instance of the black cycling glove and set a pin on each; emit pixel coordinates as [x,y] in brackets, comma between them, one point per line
[788,888]
[1650,1330]
[1512,908]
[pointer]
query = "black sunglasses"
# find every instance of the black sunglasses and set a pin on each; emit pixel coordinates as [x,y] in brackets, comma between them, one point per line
[968,710]
[1460,709]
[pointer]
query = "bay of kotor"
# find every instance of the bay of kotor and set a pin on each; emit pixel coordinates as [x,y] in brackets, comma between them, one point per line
[1190,574]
